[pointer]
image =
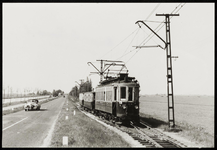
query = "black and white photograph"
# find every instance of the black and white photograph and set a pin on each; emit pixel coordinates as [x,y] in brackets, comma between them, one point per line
[108,75]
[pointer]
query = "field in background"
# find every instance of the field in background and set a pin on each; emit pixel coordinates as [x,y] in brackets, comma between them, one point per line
[12,101]
[194,114]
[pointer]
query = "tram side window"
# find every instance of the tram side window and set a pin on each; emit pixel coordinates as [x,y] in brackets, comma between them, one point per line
[123,92]
[130,94]
[115,93]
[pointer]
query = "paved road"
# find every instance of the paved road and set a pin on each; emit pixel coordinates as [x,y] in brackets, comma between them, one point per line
[29,129]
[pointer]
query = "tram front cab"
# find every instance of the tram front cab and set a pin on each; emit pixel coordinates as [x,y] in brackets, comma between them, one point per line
[127,101]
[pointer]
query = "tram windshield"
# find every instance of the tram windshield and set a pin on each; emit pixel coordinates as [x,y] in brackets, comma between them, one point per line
[130,94]
[123,93]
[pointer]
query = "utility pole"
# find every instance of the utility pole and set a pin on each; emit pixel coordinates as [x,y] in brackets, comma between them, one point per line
[170,96]
[101,70]
[8,92]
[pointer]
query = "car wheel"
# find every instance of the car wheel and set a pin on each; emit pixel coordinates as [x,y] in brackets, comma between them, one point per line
[27,108]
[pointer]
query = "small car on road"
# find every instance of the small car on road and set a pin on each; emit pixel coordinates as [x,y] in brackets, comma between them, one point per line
[32,104]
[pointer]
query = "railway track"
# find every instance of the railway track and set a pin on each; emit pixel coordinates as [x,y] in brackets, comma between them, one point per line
[166,141]
[156,138]
[144,134]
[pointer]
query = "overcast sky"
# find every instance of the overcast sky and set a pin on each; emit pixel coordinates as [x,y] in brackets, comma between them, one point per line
[47,45]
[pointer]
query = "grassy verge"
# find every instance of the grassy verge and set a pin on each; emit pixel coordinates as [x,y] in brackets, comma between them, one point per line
[196,134]
[15,103]
[83,131]
[11,104]
[16,109]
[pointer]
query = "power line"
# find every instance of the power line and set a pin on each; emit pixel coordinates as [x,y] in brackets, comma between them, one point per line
[131,57]
[148,37]
[161,24]
[119,43]
[131,41]
[176,8]
[180,8]
[138,30]
[158,29]
[126,53]
[170,18]
[153,11]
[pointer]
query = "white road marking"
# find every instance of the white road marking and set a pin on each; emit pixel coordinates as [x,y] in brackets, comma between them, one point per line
[67,117]
[65,140]
[74,112]
[47,140]
[14,124]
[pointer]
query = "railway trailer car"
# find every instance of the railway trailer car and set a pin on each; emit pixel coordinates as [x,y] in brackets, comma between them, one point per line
[104,103]
[89,101]
[81,99]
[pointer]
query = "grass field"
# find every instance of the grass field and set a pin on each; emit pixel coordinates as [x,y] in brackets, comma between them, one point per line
[193,114]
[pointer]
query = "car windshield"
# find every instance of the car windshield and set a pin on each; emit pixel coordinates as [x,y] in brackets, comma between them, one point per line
[33,100]
[29,100]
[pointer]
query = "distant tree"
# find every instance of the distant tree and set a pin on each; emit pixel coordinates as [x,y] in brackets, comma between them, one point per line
[86,86]
[44,92]
[90,86]
[57,92]
[54,93]
[74,91]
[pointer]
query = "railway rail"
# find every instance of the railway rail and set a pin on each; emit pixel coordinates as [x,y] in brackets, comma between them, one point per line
[144,134]
[157,138]
[162,136]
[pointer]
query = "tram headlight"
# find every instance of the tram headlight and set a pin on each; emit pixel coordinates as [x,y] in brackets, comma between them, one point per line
[124,106]
[136,107]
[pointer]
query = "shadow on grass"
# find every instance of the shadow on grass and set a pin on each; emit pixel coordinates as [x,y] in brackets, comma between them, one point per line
[154,123]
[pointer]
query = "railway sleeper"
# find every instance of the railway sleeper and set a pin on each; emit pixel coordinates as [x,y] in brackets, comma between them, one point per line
[168,146]
[148,145]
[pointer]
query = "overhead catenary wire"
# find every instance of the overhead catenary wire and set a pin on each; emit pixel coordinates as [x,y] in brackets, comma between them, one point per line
[120,43]
[131,41]
[149,36]
[132,56]
[126,54]
[138,30]
[153,11]
[163,21]
[157,30]
[159,26]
